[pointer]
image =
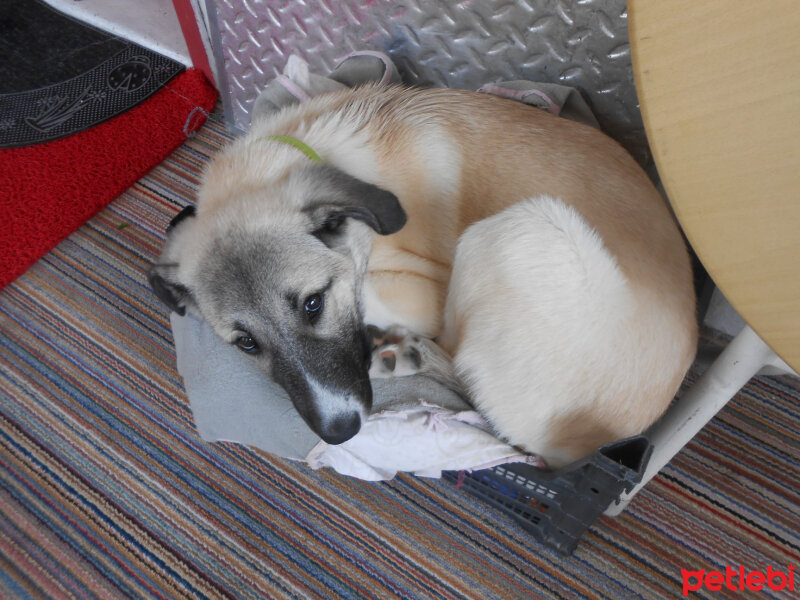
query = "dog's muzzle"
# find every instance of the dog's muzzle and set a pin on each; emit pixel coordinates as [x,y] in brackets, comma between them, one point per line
[331,388]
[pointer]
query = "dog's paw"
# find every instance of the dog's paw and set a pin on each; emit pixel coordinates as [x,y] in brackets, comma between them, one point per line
[395,352]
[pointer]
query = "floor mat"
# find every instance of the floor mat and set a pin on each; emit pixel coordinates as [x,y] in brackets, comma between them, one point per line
[59,76]
[48,190]
[83,115]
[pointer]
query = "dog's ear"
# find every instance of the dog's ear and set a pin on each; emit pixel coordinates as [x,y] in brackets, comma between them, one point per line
[163,276]
[346,197]
[175,295]
[187,212]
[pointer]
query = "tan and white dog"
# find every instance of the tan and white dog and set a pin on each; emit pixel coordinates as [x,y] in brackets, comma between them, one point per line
[532,249]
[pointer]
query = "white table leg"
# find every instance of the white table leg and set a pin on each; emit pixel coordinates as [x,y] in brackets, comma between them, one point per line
[744,356]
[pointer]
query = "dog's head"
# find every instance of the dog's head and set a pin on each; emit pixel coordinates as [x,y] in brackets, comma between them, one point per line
[276,270]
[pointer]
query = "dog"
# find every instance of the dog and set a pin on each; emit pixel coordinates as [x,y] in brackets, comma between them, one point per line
[532,250]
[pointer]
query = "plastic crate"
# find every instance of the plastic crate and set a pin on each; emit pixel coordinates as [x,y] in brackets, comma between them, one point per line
[557,507]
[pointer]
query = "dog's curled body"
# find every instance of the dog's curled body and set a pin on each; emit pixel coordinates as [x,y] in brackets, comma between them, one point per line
[534,250]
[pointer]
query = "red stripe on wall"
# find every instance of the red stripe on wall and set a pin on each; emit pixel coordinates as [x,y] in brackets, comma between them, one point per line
[194,41]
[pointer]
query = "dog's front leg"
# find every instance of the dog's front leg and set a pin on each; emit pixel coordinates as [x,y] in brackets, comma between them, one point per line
[397,352]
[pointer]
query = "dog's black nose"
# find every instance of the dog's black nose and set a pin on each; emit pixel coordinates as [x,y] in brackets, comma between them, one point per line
[342,428]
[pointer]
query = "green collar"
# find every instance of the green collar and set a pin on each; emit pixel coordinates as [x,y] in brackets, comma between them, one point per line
[302,146]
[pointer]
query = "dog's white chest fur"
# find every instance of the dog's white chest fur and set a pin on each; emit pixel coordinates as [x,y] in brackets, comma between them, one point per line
[376,311]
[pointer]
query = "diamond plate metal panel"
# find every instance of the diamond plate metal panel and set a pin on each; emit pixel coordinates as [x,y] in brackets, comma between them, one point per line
[460,44]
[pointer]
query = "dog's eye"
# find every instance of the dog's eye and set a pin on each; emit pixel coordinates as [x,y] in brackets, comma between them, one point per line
[313,306]
[247,344]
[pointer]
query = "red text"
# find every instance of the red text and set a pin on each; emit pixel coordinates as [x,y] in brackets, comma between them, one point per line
[738,579]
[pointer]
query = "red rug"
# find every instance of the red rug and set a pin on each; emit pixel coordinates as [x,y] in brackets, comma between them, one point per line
[49,190]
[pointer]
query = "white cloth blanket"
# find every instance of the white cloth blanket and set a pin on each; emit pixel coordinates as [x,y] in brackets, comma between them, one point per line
[424,440]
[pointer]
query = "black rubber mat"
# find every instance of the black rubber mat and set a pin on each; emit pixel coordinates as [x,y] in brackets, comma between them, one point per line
[59,76]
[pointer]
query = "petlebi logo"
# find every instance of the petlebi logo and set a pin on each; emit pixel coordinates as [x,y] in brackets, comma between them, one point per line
[738,579]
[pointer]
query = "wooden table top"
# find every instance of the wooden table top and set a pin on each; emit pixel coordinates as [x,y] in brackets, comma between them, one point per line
[719,88]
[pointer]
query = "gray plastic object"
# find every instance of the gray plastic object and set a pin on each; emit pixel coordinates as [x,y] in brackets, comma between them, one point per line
[557,507]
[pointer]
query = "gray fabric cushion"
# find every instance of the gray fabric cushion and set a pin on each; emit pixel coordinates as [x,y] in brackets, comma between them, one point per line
[233,401]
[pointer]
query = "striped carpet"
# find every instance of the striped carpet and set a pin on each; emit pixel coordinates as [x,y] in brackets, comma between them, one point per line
[106,490]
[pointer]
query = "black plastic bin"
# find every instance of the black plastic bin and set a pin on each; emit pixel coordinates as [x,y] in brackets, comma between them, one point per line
[557,507]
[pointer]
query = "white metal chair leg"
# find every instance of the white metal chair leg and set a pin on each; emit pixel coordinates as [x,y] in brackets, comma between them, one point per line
[744,356]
